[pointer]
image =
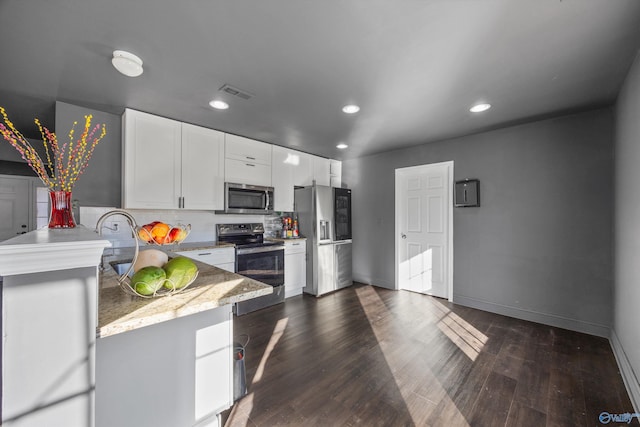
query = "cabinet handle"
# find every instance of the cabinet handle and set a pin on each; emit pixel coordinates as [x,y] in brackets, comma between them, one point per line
[205,253]
[250,158]
[249,164]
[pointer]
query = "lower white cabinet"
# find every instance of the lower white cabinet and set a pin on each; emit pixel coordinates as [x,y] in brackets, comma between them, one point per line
[173,373]
[295,267]
[224,258]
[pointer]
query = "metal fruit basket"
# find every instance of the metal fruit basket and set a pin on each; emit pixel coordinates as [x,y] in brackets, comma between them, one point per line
[159,234]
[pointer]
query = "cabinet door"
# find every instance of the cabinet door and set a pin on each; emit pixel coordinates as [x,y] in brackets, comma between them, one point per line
[282,167]
[245,149]
[303,171]
[245,172]
[202,168]
[321,170]
[152,161]
[336,173]
[295,274]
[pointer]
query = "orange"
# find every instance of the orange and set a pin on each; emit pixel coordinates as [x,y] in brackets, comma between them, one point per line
[159,231]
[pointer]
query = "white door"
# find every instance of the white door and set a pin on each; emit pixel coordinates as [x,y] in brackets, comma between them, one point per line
[14,206]
[424,229]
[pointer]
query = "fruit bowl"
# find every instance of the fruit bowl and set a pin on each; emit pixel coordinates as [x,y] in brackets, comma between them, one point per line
[160,233]
[152,281]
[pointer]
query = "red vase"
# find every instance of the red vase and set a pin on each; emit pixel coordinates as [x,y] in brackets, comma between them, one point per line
[61,213]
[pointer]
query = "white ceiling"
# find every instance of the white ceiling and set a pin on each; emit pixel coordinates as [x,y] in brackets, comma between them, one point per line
[414,66]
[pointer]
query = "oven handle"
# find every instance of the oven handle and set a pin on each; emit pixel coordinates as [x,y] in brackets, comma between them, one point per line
[260,249]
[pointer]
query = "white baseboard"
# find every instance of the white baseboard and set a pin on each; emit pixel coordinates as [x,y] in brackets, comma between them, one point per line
[533,316]
[372,281]
[628,375]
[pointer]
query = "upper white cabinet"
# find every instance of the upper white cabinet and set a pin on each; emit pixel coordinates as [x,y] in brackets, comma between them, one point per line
[321,170]
[335,173]
[303,171]
[152,172]
[202,168]
[170,165]
[283,165]
[247,161]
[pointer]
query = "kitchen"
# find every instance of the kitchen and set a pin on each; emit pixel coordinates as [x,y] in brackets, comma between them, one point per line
[536,233]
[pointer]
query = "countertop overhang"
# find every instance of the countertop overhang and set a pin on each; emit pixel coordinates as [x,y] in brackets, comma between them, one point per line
[214,287]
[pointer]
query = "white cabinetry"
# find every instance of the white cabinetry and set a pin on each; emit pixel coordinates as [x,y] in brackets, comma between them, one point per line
[224,258]
[336,173]
[303,172]
[283,165]
[152,161]
[321,170]
[247,161]
[202,168]
[170,165]
[295,267]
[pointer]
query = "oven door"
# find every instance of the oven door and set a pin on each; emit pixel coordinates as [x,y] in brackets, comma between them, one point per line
[264,264]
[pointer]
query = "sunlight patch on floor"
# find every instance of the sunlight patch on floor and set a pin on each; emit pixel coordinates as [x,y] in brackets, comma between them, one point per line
[275,337]
[462,333]
[372,306]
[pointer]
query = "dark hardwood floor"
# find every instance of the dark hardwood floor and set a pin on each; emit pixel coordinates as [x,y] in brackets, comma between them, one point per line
[368,356]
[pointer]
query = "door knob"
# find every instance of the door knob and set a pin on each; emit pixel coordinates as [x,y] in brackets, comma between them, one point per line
[404,236]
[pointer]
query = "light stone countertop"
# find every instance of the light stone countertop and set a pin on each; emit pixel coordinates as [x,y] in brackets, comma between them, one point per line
[120,312]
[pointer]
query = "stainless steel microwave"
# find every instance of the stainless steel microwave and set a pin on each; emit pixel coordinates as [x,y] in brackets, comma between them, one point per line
[247,199]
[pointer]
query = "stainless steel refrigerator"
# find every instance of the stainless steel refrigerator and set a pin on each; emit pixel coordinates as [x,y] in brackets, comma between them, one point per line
[324,218]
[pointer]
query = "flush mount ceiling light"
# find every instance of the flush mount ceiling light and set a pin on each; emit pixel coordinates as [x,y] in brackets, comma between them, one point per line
[479,108]
[219,105]
[351,109]
[342,146]
[127,63]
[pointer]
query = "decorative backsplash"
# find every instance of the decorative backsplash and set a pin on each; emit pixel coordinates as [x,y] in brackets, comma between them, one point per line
[203,223]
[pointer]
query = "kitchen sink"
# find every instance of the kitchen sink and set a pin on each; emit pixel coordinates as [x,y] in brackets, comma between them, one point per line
[120,267]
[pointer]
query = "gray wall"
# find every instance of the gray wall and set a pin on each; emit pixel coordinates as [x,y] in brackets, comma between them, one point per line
[539,247]
[626,302]
[100,184]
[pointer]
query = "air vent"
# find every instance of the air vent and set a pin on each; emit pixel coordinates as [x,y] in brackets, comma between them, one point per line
[236,92]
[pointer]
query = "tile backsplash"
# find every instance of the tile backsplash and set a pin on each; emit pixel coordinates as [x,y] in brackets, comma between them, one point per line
[203,223]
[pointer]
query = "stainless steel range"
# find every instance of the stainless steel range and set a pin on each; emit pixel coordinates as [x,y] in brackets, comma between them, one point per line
[256,259]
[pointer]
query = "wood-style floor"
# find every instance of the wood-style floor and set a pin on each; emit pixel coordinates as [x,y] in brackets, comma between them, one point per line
[368,356]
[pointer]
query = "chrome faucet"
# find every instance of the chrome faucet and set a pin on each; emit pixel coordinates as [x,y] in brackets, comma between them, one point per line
[130,219]
[132,224]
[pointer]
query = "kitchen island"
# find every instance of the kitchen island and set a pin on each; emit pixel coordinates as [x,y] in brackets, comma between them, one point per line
[157,362]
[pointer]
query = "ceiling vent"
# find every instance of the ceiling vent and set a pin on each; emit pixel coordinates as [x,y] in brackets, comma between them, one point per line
[236,92]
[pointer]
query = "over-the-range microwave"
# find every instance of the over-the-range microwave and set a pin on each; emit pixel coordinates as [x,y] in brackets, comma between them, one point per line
[247,199]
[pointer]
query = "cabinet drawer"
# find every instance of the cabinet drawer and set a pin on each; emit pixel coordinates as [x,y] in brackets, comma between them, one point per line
[295,247]
[245,172]
[245,149]
[212,256]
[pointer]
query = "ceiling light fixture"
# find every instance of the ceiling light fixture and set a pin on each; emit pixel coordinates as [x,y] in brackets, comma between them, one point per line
[219,105]
[127,63]
[351,109]
[479,108]
[342,146]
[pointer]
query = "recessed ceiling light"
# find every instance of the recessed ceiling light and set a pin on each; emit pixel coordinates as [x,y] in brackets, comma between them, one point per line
[342,146]
[219,105]
[127,63]
[350,109]
[479,108]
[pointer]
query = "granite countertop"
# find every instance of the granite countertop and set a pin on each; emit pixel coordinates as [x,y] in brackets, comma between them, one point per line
[120,312]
